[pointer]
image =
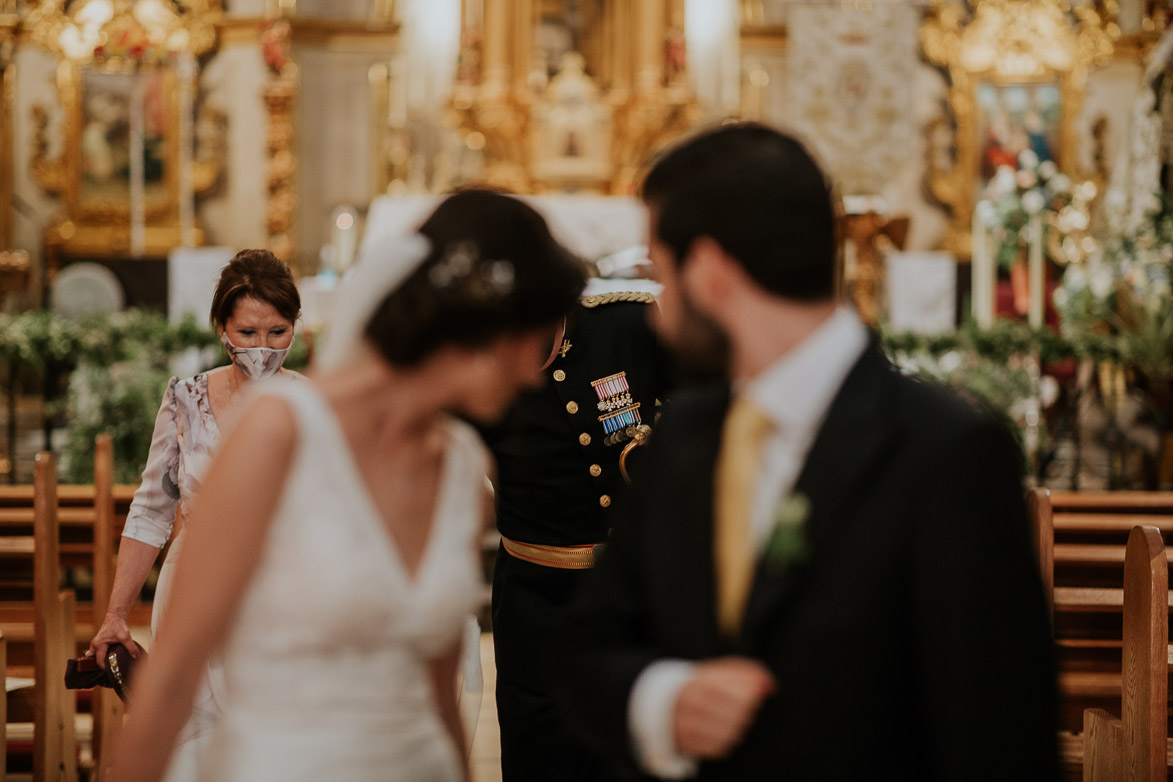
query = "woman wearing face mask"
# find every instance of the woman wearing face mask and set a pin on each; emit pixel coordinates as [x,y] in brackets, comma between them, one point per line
[254,308]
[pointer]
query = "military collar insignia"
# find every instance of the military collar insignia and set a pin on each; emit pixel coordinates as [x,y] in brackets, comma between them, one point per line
[642,297]
[566,346]
[618,409]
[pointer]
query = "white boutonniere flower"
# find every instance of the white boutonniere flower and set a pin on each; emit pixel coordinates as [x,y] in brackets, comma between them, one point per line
[788,543]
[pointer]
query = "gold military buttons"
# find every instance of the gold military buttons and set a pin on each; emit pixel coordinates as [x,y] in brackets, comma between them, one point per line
[584,438]
[559,375]
[596,470]
[572,407]
[605,501]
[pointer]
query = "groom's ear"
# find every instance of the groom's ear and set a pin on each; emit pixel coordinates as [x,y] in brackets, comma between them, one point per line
[711,277]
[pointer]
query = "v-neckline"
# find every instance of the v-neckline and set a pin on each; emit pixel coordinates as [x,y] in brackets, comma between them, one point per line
[381,528]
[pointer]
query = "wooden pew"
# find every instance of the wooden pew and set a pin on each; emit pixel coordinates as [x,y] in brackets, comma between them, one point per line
[1134,747]
[17,616]
[3,711]
[53,708]
[77,522]
[107,708]
[1081,539]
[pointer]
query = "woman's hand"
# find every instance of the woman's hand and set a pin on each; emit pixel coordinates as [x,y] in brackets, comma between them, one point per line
[113,630]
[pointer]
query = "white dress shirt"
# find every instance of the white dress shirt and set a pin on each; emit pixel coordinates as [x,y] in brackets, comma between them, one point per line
[795,393]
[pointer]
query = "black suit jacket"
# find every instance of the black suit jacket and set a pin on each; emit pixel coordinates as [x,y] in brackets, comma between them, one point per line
[913,641]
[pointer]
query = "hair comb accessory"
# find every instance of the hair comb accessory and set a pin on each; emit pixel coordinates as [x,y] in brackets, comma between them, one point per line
[461,269]
[456,264]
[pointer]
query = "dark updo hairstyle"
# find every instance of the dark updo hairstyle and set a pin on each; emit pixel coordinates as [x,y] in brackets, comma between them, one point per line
[493,269]
[260,275]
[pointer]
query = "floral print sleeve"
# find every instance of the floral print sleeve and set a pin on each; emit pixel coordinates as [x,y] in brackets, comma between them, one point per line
[152,513]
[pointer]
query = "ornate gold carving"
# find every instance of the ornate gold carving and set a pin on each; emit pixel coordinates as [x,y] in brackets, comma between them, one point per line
[125,37]
[571,130]
[105,67]
[498,110]
[211,141]
[645,124]
[502,119]
[14,272]
[1008,42]
[280,95]
[8,22]
[49,173]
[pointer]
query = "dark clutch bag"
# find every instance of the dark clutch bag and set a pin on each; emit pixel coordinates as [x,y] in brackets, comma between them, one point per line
[84,673]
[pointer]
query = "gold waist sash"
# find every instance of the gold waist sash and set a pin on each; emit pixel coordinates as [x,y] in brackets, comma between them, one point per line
[561,557]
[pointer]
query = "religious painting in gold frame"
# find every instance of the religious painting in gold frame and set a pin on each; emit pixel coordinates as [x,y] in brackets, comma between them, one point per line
[1016,117]
[100,103]
[120,59]
[1036,49]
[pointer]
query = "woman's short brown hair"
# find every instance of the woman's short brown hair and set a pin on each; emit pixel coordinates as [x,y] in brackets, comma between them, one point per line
[260,275]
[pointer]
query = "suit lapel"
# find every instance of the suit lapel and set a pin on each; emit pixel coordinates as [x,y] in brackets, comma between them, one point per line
[841,461]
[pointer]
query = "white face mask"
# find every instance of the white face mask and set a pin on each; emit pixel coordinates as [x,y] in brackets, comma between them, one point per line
[255,363]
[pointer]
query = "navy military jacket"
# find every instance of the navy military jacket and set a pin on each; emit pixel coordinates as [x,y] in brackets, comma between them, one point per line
[558,447]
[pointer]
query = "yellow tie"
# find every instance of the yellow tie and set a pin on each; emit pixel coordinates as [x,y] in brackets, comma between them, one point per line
[737,472]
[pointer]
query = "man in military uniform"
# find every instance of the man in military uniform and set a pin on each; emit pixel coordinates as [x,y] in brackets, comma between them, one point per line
[559,480]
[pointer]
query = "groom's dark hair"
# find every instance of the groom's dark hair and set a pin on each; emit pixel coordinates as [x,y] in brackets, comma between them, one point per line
[760,195]
[493,268]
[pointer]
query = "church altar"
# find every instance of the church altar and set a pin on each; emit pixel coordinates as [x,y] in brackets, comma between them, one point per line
[591,226]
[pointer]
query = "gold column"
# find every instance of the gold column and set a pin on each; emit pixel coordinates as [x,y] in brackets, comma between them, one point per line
[280,97]
[495,76]
[753,12]
[649,69]
[521,34]
[621,41]
[7,106]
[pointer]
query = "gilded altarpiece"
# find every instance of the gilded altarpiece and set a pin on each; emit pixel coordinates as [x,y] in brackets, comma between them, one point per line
[1015,67]
[632,56]
[9,21]
[14,264]
[128,173]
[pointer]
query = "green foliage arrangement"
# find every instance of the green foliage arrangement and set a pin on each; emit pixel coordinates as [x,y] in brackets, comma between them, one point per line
[117,367]
[1008,339]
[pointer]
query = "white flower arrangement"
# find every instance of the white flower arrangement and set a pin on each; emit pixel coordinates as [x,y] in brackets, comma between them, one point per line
[1013,197]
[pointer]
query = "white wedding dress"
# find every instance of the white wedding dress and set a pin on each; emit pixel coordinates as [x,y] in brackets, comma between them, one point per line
[326,665]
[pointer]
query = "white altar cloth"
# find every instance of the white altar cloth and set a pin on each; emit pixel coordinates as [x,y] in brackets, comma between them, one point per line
[591,226]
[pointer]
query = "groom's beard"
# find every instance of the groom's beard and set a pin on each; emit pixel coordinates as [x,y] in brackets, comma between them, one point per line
[700,346]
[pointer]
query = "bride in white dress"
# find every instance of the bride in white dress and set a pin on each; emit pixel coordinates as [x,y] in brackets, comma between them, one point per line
[342,518]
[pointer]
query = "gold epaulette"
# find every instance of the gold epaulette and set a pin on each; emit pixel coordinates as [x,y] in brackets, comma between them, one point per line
[642,297]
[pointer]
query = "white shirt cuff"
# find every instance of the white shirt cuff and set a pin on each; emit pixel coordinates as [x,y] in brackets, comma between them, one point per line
[651,715]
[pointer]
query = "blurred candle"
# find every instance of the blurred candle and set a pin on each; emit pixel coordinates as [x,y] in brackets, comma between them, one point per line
[981,270]
[138,228]
[344,237]
[1035,272]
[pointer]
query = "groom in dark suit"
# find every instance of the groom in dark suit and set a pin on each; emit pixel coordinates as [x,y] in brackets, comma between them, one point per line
[824,572]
